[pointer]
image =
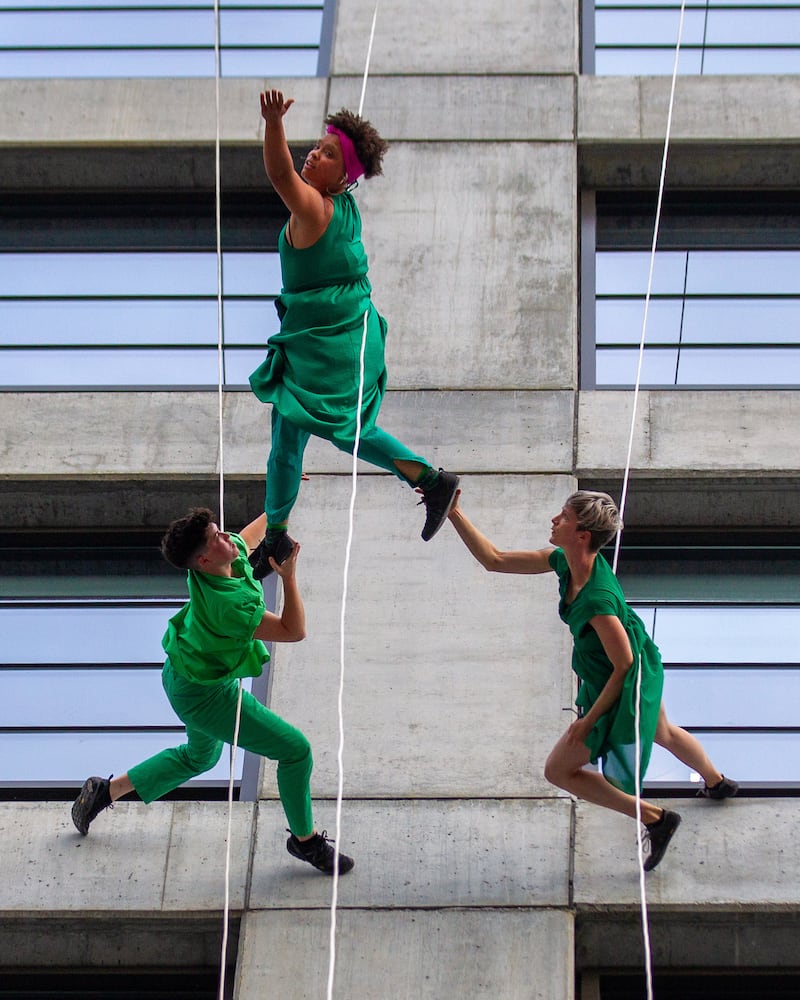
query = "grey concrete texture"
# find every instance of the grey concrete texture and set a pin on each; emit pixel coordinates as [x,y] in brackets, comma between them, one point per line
[738,853]
[451,38]
[409,955]
[169,435]
[412,854]
[689,433]
[473,256]
[456,681]
[150,111]
[165,857]
[464,108]
[706,109]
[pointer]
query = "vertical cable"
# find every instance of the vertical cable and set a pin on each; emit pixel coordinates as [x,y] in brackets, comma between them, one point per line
[623,498]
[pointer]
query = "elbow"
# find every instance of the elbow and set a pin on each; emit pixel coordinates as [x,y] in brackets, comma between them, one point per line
[297,635]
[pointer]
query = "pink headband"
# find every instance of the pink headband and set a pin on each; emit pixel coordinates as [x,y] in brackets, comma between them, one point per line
[352,165]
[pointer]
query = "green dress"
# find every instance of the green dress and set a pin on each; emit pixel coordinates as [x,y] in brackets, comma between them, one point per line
[311,372]
[613,738]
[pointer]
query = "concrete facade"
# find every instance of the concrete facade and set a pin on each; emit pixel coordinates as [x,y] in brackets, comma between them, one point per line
[474,877]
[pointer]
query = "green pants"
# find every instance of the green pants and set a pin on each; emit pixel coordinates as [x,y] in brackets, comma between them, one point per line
[285,462]
[209,713]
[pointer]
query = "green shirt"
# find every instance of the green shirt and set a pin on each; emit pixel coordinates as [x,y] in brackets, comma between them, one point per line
[613,737]
[211,638]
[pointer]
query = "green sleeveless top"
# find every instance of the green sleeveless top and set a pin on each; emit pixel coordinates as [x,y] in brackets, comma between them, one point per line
[311,372]
[613,738]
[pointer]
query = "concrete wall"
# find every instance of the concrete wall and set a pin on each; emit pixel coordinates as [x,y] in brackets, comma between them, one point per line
[473,877]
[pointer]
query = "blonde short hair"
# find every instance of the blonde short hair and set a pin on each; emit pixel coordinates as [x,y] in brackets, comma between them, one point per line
[596,513]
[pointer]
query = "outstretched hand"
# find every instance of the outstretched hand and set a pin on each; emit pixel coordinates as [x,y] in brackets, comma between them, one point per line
[287,568]
[273,106]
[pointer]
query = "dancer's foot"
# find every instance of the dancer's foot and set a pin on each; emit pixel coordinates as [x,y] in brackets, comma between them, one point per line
[318,852]
[276,543]
[660,834]
[94,797]
[724,789]
[438,500]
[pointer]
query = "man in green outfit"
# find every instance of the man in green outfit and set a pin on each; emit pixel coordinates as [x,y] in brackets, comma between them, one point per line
[213,641]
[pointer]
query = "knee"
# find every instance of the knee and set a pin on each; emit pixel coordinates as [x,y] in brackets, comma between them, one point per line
[199,761]
[299,752]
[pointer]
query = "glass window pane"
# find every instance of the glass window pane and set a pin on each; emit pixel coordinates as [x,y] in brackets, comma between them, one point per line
[646,62]
[748,698]
[103,368]
[769,758]
[745,366]
[110,63]
[240,364]
[741,272]
[740,321]
[84,634]
[648,27]
[620,321]
[626,273]
[67,758]
[76,28]
[751,61]
[251,273]
[728,635]
[619,367]
[753,27]
[250,323]
[269,27]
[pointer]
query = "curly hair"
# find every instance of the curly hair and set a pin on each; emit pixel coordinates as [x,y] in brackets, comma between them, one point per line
[596,513]
[369,146]
[185,538]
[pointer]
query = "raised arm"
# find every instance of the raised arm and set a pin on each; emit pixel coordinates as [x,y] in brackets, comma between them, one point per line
[253,532]
[309,207]
[290,625]
[489,556]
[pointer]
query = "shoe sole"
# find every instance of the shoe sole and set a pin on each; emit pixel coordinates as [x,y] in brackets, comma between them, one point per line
[301,857]
[447,510]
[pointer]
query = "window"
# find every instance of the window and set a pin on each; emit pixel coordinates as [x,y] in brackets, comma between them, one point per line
[725,298]
[121,291]
[719,36]
[725,615]
[138,38]
[82,618]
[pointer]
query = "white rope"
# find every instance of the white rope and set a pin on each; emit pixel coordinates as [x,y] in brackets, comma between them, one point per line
[623,498]
[221,515]
[348,548]
[340,751]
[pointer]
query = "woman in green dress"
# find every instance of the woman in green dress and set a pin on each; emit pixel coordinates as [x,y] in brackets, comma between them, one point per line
[311,374]
[610,649]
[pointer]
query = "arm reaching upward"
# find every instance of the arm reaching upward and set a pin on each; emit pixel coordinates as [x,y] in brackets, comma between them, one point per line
[492,559]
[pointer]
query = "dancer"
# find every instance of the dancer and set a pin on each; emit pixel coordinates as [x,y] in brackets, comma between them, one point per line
[610,646]
[311,372]
[216,638]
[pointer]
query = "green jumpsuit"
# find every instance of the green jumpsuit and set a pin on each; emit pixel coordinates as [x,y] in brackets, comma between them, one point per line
[311,372]
[613,738]
[209,644]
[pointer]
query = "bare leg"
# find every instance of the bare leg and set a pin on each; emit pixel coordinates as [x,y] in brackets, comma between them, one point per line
[120,786]
[686,748]
[566,768]
[411,470]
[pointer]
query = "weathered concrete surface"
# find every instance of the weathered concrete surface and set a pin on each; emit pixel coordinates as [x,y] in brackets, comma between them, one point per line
[409,955]
[160,434]
[463,109]
[692,432]
[455,679]
[418,854]
[165,857]
[707,108]
[472,37]
[476,273]
[739,853]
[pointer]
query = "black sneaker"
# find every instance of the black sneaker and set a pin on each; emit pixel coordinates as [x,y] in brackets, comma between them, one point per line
[319,853]
[438,500]
[724,789]
[277,544]
[660,834]
[94,797]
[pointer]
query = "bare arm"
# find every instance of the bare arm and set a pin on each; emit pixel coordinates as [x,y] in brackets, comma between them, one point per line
[489,556]
[618,650]
[290,625]
[309,209]
[253,532]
